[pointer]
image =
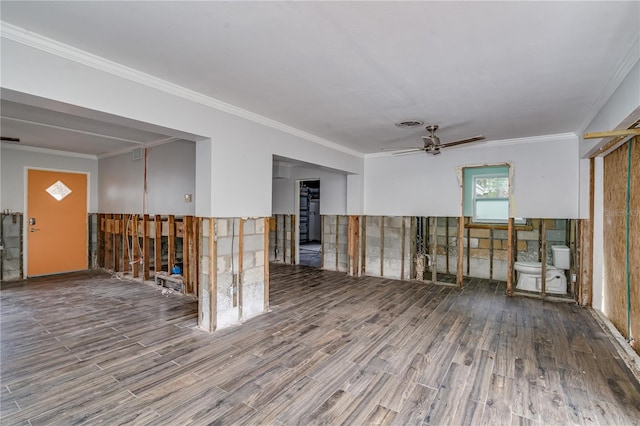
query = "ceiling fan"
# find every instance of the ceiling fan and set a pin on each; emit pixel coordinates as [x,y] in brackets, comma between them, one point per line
[432,144]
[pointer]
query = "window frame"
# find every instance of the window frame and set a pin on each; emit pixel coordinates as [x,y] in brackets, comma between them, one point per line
[485,171]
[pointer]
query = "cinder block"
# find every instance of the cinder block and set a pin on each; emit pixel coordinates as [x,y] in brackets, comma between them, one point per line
[253,242]
[259,225]
[500,255]
[528,235]
[479,233]
[479,253]
[521,246]
[392,222]
[249,226]
[500,234]
[484,243]
[222,227]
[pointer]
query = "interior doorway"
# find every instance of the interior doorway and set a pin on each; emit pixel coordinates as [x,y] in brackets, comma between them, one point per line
[310,228]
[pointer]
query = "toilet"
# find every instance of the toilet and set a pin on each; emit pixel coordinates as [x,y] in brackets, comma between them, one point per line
[530,273]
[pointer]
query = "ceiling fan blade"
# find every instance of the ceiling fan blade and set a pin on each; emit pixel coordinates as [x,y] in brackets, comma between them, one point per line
[462,141]
[410,151]
[8,139]
[401,148]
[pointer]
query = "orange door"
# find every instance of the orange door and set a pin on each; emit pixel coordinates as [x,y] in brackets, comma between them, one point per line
[56,222]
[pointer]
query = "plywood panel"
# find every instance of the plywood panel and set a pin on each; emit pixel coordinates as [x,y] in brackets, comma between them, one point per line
[634,243]
[615,284]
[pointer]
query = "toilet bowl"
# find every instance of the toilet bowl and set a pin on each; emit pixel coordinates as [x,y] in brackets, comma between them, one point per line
[530,273]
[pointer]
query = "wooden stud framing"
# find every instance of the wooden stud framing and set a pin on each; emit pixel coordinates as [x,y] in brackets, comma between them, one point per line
[588,296]
[404,229]
[294,234]
[275,239]
[213,277]
[446,233]
[322,239]
[126,257]
[510,256]
[101,235]
[186,240]
[146,252]
[382,246]
[543,254]
[157,244]
[434,248]
[108,251]
[490,253]
[240,265]
[412,248]
[266,264]
[468,249]
[352,245]
[337,243]
[363,250]
[171,243]
[135,246]
[460,249]
[195,254]
[116,242]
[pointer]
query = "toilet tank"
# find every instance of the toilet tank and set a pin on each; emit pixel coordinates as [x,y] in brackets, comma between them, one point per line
[561,257]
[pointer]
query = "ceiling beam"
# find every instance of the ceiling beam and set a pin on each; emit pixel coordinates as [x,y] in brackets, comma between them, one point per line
[69,129]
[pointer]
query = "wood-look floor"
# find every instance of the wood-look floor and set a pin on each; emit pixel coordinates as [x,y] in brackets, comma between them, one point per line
[89,349]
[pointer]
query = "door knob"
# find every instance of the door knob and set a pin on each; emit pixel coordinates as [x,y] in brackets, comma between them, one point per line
[34,229]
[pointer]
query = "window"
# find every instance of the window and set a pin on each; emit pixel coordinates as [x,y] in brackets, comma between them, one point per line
[490,198]
[486,194]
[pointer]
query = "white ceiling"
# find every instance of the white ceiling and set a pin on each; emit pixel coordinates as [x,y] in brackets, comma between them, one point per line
[346,71]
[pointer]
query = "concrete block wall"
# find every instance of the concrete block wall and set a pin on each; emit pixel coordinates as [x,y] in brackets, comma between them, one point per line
[280,235]
[487,247]
[11,236]
[388,246]
[240,285]
[335,236]
[204,278]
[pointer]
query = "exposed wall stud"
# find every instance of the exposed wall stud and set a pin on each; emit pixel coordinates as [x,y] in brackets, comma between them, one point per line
[157,243]
[433,225]
[363,250]
[404,230]
[543,255]
[146,252]
[171,242]
[382,246]
[460,249]
[265,299]
[510,256]
[337,243]
[446,233]
[135,244]
[213,276]
[240,265]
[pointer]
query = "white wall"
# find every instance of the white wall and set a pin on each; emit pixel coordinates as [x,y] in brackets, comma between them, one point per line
[624,101]
[170,175]
[545,179]
[241,149]
[333,191]
[14,161]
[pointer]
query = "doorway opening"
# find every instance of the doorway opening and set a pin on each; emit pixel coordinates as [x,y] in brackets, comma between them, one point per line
[310,231]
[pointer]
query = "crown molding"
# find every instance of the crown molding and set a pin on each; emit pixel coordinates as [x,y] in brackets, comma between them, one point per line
[37,41]
[621,71]
[48,151]
[502,142]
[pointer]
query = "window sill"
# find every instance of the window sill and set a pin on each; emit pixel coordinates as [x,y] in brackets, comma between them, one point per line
[499,226]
